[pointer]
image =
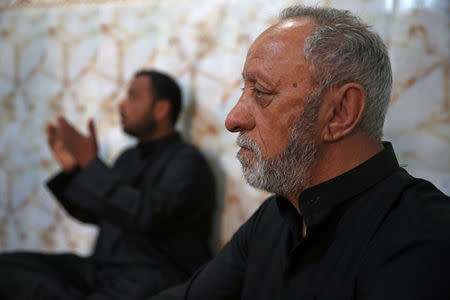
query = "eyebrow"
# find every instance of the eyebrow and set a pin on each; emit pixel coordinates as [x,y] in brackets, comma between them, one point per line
[256,76]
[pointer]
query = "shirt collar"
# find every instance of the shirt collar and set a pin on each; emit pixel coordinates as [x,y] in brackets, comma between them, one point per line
[151,147]
[317,202]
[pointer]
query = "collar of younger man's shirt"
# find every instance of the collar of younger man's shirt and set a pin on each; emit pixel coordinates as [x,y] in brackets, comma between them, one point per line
[155,146]
[318,202]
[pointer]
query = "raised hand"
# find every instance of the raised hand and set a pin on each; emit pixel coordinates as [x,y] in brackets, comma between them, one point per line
[83,148]
[55,142]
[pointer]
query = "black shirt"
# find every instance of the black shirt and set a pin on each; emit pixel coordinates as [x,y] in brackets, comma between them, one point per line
[154,206]
[374,232]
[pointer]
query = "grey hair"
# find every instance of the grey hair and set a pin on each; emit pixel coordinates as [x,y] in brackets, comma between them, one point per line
[343,49]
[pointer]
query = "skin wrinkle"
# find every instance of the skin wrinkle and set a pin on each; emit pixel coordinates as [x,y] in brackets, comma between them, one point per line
[253,78]
[277,139]
[283,158]
[343,49]
[289,173]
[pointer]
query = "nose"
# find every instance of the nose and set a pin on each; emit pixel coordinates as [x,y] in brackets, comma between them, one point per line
[240,117]
[122,104]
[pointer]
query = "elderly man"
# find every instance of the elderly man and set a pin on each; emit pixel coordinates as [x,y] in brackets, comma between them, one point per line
[347,222]
[154,207]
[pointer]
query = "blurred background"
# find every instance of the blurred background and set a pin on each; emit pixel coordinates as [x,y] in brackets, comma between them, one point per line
[76,57]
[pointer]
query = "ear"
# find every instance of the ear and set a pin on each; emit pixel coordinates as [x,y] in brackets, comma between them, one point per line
[345,107]
[161,109]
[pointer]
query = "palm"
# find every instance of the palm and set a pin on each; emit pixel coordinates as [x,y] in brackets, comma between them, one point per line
[82,148]
[61,154]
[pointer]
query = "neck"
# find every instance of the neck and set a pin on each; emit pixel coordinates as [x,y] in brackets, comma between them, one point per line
[157,134]
[336,158]
[342,156]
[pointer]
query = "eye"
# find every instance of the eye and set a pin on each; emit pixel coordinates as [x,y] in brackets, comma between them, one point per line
[258,93]
[261,96]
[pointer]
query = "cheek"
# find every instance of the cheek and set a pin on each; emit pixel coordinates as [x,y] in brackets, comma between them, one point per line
[137,116]
[138,111]
[272,137]
[144,114]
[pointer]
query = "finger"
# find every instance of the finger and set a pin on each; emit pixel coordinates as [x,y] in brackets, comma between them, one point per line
[62,128]
[59,121]
[66,133]
[66,130]
[92,131]
[62,122]
[50,131]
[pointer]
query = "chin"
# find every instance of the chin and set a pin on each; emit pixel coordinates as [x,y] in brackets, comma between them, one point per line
[129,131]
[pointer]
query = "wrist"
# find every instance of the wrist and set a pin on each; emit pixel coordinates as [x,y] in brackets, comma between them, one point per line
[70,169]
[86,161]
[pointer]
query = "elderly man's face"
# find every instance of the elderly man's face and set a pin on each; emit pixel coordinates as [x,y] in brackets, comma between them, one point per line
[277,130]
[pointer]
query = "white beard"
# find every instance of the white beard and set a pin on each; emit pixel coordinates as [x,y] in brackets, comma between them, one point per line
[290,172]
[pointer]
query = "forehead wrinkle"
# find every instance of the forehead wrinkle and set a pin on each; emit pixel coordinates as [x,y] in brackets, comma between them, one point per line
[271,50]
[258,76]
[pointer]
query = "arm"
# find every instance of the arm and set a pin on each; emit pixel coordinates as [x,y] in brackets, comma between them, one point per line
[57,185]
[411,257]
[223,277]
[185,191]
[70,167]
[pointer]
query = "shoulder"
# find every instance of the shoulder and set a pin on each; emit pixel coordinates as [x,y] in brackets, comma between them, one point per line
[250,231]
[264,220]
[411,204]
[419,212]
[418,218]
[408,256]
[185,163]
[423,210]
[126,155]
[189,154]
[188,149]
[267,211]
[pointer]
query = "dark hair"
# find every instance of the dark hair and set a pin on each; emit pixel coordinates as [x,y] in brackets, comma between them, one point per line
[164,86]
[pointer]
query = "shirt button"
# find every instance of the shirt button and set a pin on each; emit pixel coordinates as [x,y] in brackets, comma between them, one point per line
[313,201]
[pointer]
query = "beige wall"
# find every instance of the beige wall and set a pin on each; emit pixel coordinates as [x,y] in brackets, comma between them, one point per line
[76,59]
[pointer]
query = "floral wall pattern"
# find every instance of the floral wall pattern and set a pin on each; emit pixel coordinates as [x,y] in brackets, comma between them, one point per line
[76,57]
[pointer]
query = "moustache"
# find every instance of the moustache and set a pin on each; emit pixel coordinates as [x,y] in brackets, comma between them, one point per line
[246,143]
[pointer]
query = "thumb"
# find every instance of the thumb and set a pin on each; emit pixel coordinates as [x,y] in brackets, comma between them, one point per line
[92,132]
[50,131]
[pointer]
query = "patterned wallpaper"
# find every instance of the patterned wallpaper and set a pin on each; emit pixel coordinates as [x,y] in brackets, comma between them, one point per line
[76,57]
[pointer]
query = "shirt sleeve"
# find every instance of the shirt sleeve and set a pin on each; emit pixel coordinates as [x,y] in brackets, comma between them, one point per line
[186,185]
[420,271]
[221,278]
[57,185]
[224,276]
